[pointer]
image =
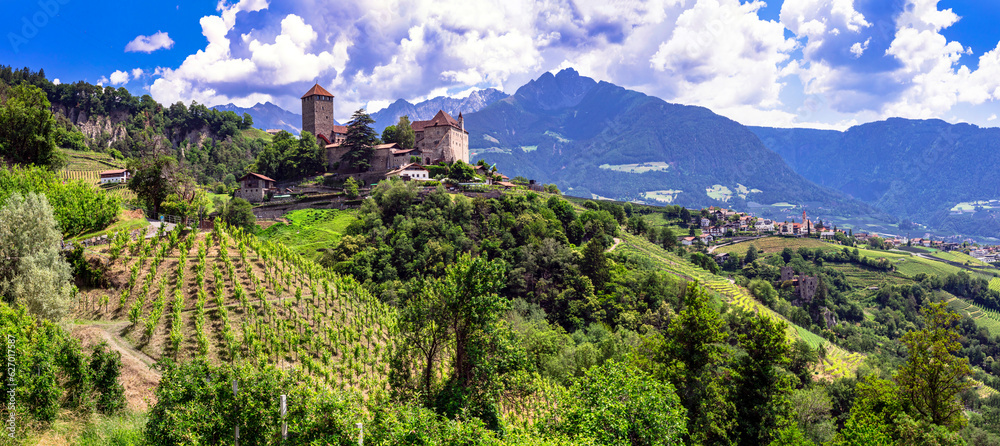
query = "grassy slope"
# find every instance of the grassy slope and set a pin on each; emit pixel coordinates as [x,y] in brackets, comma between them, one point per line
[838,362]
[310,230]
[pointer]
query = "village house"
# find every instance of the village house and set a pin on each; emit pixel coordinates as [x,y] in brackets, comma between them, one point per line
[254,187]
[687,241]
[114,176]
[412,171]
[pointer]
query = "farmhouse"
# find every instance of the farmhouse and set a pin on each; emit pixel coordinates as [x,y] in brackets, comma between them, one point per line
[412,171]
[254,187]
[114,176]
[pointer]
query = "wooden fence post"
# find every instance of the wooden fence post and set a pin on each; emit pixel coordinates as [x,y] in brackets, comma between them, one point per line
[284,423]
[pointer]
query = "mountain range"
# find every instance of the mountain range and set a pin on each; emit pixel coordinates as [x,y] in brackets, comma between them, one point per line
[426,110]
[268,116]
[596,139]
[928,171]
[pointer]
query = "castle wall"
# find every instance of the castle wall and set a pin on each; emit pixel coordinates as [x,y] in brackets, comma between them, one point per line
[443,143]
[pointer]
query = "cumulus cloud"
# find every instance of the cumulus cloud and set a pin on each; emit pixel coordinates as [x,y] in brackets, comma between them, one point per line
[148,44]
[824,60]
[118,78]
[722,45]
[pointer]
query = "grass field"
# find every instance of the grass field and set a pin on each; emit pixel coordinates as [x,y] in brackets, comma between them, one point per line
[719,192]
[310,230]
[125,222]
[656,166]
[665,196]
[772,245]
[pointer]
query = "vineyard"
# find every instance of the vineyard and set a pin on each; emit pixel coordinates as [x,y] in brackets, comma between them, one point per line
[89,176]
[995,284]
[226,295]
[984,317]
[837,362]
[121,191]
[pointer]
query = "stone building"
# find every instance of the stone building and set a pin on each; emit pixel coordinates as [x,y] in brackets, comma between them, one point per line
[254,187]
[442,138]
[317,116]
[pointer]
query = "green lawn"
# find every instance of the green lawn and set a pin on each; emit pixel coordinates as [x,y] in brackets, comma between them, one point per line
[122,224]
[310,231]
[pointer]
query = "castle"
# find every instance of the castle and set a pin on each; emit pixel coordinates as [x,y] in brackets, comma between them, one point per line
[440,139]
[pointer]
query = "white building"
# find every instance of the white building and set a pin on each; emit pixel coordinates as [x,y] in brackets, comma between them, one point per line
[114,176]
[413,171]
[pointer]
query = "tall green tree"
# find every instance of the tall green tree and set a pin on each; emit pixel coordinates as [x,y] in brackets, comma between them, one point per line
[27,128]
[405,136]
[360,141]
[594,263]
[695,348]
[33,273]
[763,387]
[153,179]
[933,377]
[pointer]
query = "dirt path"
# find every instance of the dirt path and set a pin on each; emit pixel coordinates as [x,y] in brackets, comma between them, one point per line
[618,241]
[137,375]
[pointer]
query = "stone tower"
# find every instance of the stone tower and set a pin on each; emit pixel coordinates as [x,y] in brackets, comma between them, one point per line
[317,112]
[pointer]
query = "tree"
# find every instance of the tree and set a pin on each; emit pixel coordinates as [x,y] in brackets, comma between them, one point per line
[667,238]
[751,254]
[617,404]
[239,212]
[153,179]
[360,141]
[762,388]
[933,377]
[594,263]
[351,188]
[405,136]
[27,128]
[695,348]
[32,271]
[389,134]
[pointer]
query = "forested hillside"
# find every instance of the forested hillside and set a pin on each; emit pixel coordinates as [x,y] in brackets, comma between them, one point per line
[927,172]
[600,139]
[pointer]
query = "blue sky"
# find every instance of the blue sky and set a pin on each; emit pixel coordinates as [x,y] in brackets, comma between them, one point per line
[813,63]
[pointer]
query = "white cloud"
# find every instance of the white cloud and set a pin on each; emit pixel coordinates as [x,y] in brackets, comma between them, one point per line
[722,46]
[859,48]
[148,44]
[992,117]
[118,77]
[854,61]
[56,81]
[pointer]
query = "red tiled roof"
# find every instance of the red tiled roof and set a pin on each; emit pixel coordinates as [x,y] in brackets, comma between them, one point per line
[340,129]
[316,90]
[113,172]
[386,146]
[324,138]
[441,118]
[251,174]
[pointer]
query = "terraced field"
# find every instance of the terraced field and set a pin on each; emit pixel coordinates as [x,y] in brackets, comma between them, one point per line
[90,176]
[995,284]
[987,318]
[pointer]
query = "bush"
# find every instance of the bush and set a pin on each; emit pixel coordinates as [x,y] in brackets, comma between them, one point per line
[619,404]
